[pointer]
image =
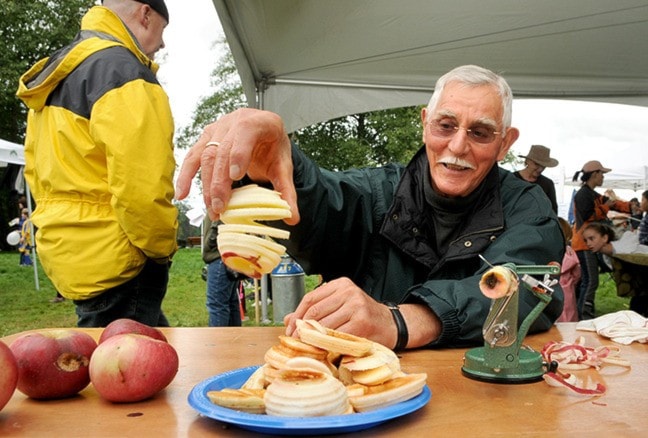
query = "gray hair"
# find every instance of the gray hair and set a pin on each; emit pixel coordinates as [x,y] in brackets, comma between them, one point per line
[475,76]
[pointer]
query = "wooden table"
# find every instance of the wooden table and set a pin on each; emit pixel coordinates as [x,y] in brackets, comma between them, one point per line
[459,406]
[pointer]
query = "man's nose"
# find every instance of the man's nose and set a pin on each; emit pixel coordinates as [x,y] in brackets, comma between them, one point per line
[459,143]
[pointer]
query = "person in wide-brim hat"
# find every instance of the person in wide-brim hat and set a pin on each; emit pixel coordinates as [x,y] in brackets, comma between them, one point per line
[590,206]
[536,161]
[540,155]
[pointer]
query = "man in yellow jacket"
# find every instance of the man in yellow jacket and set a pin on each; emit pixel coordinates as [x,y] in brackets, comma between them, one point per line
[99,160]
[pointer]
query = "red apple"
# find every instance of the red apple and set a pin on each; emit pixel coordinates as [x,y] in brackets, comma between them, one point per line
[8,374]
[53,364]
[125,325]
[131,367]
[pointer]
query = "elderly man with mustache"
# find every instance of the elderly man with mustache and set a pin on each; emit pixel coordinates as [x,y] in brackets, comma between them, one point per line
[398,246]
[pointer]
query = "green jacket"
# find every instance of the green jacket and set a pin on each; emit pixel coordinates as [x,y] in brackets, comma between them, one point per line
[369,225]
[99,159]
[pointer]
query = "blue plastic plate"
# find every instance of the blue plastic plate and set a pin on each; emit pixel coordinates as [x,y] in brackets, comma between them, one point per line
[292,425]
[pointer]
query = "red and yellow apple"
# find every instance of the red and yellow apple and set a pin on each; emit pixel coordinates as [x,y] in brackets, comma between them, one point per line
[53,364]
[132,367]
[244,242]
[8,374]
[125,325]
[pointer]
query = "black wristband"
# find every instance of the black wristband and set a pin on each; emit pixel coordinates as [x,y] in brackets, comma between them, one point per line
[401,327]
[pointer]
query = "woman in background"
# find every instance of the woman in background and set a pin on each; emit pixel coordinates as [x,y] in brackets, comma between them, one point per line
[590,206]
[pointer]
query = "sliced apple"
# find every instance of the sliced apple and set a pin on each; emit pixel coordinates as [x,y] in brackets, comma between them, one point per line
[246,246]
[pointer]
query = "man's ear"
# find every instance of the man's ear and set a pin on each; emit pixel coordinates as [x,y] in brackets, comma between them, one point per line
[423,119]
[144,15]
[511,137]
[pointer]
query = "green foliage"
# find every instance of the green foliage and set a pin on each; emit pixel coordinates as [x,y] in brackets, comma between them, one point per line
[30,30]
[227,97]
[185,229]
[362,140]
[515,162]
[22,307]
[607,300]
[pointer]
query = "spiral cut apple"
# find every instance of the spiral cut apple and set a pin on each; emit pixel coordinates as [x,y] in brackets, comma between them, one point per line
[245,245]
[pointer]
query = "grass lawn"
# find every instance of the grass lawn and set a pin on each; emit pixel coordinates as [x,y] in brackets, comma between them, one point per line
[22,307]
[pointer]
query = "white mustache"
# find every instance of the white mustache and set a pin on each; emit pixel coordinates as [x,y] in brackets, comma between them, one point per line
[455,162]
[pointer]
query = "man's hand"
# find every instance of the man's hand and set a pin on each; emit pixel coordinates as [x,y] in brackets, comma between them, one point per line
[343,306]
[247,141]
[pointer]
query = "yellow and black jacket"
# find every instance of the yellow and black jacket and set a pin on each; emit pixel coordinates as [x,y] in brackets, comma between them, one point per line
[99,159]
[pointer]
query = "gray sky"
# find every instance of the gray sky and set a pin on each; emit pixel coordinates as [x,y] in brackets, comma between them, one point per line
[189,56]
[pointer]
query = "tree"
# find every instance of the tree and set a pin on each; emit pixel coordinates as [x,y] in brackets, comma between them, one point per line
[227,97]
[29,31]
[360,140]
[185,229]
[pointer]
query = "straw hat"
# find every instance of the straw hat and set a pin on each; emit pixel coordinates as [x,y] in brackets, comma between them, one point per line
[540,154]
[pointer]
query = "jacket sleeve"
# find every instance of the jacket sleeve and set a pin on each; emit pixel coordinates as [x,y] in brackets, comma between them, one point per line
[135,125]
[529,238]
[338,221]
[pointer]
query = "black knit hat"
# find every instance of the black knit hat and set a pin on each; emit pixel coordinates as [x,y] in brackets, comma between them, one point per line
[158,6]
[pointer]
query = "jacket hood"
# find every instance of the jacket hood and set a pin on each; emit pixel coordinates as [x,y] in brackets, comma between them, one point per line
[100,28]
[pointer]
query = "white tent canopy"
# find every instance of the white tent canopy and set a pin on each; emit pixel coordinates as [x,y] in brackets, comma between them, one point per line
[11,152]
[313,60]
[631,178]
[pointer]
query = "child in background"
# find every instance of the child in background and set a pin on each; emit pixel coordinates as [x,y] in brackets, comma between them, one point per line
[631,278]
[570,274]
[26,241]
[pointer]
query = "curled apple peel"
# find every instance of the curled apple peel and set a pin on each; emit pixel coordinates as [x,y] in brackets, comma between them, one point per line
[576,356]
[245,245]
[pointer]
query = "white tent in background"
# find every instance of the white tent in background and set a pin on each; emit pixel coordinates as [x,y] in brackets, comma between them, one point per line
[313,60]
[15,154]
[11,153]
[630,178]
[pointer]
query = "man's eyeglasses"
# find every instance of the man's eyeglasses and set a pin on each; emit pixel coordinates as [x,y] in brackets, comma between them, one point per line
[479,134]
